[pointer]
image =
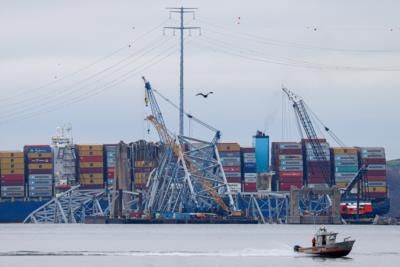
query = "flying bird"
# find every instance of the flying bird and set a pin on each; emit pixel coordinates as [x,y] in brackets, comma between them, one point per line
[204,95]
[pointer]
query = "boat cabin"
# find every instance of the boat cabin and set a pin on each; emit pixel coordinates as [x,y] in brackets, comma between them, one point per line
[324,238]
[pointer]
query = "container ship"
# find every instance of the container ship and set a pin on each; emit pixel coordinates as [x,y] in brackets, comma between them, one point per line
[34,175]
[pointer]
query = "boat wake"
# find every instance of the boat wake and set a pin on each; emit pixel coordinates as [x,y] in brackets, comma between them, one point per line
[232,253]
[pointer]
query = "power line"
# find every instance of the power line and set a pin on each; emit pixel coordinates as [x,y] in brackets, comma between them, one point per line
[30,91]
[87,94]
[279,43]
[81,84]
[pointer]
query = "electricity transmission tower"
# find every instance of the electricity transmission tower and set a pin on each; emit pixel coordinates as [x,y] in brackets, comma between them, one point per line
[182,11]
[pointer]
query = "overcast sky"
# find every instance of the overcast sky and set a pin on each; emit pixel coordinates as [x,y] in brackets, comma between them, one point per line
[80,63]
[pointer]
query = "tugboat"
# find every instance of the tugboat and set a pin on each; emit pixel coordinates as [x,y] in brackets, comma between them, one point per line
[325,245]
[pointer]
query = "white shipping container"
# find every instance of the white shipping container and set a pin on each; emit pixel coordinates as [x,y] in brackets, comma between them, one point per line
[250,180]
[291,157]
[12,188]
[235,187]
[226,160]
[249,160]
[249,155]
[233,174]
[250,175]
[290,146]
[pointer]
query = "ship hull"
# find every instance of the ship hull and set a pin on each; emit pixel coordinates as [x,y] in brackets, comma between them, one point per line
[17,211]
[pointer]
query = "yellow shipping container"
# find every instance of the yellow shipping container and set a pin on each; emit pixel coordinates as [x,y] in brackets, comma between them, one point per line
[12,171]
[91,164]
[341,185]
[141,163]
[11,165]
[92,176]
[45,166]
[82,148]
[39,155]
[228,147]
[90,153]
[345,150]
[377,189]
[12,160]
[91,181]
[11,154]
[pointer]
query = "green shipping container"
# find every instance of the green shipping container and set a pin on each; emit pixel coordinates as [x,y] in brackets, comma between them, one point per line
[346,169]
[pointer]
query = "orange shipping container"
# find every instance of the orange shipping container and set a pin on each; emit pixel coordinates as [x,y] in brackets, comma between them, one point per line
[12,171]
[11,160]
[39,155]
[12,165]
[345,150]
[90,153]
[11,154]
[228,147]
[91,164]
[47,166]
[91,181]
[376,189]
[82,148]
[92,176]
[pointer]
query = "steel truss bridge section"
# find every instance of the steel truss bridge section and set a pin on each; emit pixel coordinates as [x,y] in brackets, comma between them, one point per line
[267,207]
[191,180]
[71,206]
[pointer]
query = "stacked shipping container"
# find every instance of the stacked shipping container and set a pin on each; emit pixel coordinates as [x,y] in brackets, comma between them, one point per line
[144,156]
[12,169]
[249,169]
[40,170]
[344,165]
[110,152]
[231,162]
[318,171]
[90,166]
[287,161]
[375,160]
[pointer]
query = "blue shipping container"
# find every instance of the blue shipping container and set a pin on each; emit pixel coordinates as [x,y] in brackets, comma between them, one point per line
[262,152]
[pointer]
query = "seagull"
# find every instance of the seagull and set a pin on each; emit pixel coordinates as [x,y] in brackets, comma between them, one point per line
[204,95]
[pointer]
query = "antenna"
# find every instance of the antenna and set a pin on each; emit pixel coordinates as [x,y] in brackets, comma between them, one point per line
[181,28]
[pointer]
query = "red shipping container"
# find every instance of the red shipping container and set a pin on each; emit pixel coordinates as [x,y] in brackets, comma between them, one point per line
[249,187]
[143,169]
[40,160]
[376,178]
[91,186]
[376,173]
[41,171]
[84,159]
[290,174]
[374,161]
[233,179]
[291,179]
[286,186]
[231,169]
[12,176]
[91,170]
[12,183]
[139,186]
[13,179]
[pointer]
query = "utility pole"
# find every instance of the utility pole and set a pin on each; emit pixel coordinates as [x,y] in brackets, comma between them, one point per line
[182,11]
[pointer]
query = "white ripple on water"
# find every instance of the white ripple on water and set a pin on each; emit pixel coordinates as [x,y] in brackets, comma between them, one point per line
[232,253]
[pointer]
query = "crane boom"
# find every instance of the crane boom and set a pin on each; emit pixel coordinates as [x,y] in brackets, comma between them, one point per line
[306,123]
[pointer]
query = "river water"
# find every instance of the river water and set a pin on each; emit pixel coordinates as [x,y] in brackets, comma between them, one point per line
[187,245]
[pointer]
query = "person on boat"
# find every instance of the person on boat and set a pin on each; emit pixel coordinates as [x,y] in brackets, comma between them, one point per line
[323,240]
[313,241]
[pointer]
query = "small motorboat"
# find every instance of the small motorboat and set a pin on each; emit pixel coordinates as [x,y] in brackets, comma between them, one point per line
[325,245]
